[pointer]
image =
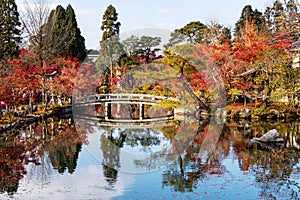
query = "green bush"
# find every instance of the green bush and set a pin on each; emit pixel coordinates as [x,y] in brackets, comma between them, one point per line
[167,104]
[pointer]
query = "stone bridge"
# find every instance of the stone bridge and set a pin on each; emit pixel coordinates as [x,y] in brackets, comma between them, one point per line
[137,99]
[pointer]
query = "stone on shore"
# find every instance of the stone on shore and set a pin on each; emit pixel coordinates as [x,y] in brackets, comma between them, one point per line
[271,136]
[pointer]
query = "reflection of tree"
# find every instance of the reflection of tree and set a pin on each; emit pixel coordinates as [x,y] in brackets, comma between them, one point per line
[156,160]
[65,157]
[64,147]
[110,174]
[111,156]
[142,137]
[12,170]
[112,140]
[271,167]
[171,131]
[15,153]
[27,146]
[185,134]
[272,171]
[184,174]
[181,182]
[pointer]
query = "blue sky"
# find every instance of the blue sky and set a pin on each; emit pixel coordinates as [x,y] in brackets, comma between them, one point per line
[166,14]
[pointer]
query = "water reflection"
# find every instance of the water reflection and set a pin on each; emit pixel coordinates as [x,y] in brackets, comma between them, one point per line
[39,145]
[272,167]
[173,150]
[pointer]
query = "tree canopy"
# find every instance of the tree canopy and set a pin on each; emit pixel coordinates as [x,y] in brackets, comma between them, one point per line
[198,33]
[10,34]
[111,49]
[110,26]
[60,36]
[250,15]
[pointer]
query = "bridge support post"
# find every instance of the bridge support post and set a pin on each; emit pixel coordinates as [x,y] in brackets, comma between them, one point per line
[141,111]
[107,110]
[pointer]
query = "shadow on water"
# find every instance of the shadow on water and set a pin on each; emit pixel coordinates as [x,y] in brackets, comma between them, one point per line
[173,149]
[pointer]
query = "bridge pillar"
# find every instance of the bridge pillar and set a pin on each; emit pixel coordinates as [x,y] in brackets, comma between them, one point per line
[107,110]
[141,111]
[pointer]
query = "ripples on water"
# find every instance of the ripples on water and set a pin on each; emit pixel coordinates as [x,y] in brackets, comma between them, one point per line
[56,159]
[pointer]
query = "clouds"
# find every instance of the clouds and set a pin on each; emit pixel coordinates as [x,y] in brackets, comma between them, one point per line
[87,182]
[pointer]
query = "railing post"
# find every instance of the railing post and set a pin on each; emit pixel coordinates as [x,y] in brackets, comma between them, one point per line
[141,109]
[107,107]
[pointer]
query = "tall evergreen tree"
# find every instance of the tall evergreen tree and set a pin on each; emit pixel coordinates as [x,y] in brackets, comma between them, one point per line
[76,42]
[252,16]
[293,20]
[53,35]
[110,26]
[9,29]
[61,35]
[111,48]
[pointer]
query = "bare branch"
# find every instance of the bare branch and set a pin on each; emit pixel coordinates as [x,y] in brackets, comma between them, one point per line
[34,15]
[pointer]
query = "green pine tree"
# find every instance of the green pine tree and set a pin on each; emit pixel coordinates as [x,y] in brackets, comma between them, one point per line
[10,34]
[193,32]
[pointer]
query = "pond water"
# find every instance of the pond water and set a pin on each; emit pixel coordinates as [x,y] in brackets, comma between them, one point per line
[188,159]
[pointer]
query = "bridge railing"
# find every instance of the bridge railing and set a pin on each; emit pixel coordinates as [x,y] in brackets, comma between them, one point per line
[120,97]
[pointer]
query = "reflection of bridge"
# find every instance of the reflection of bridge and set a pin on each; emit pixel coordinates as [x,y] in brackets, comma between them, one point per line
[89,120]
[132,99]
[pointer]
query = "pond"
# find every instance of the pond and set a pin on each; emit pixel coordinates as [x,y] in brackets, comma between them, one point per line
[187,159]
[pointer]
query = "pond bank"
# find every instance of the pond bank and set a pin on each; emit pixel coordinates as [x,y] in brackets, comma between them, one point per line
[232,111]
[35,117]
[261,112]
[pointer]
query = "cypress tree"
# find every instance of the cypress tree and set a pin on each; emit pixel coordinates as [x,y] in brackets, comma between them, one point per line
[61,35]
[10,34]
[111,48]
[54,34]
[110,26]
[76,42]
